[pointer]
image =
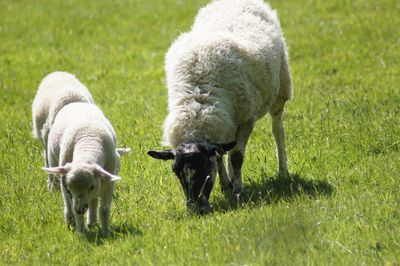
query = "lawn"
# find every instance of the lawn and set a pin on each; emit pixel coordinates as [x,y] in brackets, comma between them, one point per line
[341,205]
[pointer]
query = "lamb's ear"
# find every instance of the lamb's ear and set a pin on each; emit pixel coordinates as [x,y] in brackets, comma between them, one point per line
[221,148]
[59,170]
[106,176]
[123,151]
[162,155]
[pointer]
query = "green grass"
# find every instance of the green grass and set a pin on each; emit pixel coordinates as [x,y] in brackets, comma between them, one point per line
[342,205]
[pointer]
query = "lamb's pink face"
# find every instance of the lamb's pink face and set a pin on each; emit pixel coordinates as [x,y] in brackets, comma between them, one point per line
[84,186]
[82,182]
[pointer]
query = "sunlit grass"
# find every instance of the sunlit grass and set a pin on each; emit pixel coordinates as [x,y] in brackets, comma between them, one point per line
[342,204]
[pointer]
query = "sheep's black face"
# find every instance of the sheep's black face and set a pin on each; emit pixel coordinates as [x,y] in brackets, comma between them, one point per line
[195,166]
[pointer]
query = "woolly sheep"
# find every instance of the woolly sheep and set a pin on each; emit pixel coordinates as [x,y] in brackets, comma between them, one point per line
[81,149]
[227,72]
[55,91]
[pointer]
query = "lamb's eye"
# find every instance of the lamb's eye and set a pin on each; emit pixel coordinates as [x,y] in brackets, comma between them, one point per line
[91,188]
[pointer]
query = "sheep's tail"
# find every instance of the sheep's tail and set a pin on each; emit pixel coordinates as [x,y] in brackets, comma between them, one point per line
[35,131]
[285,92]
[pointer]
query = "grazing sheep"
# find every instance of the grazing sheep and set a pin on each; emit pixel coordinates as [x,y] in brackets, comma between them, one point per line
[227,72]
[55,91]
[81,149]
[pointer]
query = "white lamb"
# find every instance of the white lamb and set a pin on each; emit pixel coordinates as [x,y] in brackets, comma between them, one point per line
[81,149]
[56,90]
[227,72]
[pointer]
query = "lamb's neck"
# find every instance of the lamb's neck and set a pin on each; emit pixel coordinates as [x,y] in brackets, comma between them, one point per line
[89,150]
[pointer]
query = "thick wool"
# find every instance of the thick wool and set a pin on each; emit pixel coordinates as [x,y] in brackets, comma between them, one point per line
[231,68]
[55,91]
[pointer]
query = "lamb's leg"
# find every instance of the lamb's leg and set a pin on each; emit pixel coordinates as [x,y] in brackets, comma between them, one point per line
[105,205]
[236,156]
[68,213]
[53,181]
[224,179]
[279,135]
[79,222]
[92,212]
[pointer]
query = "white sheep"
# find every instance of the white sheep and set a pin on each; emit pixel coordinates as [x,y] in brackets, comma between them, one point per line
[227,72]
[55,91]
[81,149]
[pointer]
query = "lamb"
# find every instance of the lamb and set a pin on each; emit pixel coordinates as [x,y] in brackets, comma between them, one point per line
[81,149]
[56,90]
[230,70]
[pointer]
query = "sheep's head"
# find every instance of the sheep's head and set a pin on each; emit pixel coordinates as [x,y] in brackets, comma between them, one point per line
[82,182]
[194,163]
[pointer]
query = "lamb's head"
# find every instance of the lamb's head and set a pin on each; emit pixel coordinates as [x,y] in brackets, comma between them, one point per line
[195,165]
[82,182]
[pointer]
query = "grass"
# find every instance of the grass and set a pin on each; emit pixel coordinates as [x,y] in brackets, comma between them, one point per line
[342,204]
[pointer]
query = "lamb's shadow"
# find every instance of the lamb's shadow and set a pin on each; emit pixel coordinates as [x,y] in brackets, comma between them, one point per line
[116,231]
[272,189]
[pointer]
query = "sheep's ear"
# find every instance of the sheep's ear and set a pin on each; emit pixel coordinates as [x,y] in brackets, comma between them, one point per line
[162,155]
[59,170]
[123,151]
[106,176]
[221,148]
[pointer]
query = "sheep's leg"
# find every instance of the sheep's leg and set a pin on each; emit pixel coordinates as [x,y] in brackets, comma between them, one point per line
[236,156]
[279,135]
[92,212]
[224,179]
[105,205]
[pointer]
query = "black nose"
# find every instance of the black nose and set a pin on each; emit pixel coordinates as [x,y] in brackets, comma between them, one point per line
[201,207]
[83,210]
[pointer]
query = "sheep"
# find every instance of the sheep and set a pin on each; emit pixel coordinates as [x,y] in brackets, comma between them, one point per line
[227,72]
[55,91]
[81,150]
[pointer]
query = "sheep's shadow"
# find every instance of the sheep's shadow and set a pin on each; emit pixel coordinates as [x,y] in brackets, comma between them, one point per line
[95,236]
[272,189]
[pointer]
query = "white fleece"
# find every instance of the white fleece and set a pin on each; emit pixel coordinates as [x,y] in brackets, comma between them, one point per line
[55,91]
[230,68]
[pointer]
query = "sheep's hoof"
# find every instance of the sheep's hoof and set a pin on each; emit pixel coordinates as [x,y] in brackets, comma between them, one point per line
[237,197]
[91,225]
[284,174]
[227,188]
[105,233]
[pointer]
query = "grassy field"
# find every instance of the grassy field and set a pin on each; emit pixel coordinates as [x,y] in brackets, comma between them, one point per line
[342,204]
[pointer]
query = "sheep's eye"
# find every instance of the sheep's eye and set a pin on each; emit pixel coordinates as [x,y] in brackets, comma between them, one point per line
[91,188]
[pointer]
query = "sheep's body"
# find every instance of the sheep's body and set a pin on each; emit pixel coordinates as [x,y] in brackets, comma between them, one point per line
[227,72]
[82,138]
[56,90]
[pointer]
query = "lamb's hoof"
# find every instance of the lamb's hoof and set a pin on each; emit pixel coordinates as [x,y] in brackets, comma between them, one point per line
[53,187]
[70,221]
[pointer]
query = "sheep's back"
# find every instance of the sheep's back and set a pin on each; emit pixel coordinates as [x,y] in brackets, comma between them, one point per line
[229,60]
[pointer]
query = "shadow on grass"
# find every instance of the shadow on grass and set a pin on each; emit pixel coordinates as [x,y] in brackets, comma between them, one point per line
[95,236]
[272,189]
